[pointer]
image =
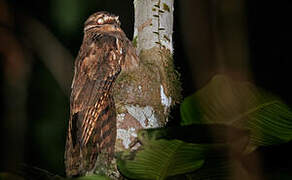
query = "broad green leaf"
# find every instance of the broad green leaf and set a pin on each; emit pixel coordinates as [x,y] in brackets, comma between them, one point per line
[213,169]
[241,105]
[221,169]
[198,134]
[162,158]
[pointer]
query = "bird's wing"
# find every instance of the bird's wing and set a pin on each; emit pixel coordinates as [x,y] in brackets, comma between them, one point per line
[97,66]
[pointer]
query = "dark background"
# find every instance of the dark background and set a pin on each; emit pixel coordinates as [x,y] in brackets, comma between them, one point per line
[35,106]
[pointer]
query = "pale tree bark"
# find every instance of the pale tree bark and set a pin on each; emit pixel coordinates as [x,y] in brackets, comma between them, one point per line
[145,95]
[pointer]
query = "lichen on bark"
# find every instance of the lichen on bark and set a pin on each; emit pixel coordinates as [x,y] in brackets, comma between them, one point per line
[142,86]
[144,95]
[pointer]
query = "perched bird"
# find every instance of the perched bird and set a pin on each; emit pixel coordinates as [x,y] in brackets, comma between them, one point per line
[104,53]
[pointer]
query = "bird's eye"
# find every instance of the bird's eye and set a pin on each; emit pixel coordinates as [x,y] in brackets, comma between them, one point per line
[100,21]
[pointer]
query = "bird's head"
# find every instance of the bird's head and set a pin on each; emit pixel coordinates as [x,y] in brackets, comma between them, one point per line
[102,21]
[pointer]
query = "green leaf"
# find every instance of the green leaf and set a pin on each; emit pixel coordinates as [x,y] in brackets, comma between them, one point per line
[159,159]
[221,169]
[214,169]
[241,105]
[211,134]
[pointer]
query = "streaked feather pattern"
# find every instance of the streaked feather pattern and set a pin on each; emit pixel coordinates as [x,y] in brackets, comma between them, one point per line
[92,123]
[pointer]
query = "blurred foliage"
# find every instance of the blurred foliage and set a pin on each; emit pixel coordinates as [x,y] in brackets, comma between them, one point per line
[48,114]
[94,177]
[33,173]
[9,176]
[69,15]
[47,106]
[161,159]
[211,144]
[239,117]
[242,105]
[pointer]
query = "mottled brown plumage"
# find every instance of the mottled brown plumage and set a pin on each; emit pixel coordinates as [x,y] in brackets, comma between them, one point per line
[104,53]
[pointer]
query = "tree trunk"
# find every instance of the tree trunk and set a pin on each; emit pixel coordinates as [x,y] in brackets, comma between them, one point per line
[144,96]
